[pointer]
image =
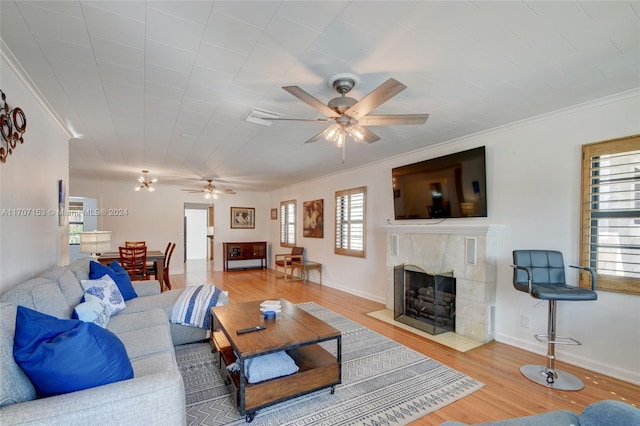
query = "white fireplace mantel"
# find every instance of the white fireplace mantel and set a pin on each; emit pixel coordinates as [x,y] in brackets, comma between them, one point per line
[466,247]
[443,228]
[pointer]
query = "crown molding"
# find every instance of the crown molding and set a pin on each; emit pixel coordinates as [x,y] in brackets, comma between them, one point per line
[24,77]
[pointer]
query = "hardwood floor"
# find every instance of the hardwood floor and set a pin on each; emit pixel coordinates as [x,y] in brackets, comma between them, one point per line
[506,393]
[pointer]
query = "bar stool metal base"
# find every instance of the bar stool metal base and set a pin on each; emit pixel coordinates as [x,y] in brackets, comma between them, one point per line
[553,379]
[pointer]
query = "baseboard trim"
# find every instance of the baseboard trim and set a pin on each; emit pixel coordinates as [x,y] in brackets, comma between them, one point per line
[628,376]
[362,294]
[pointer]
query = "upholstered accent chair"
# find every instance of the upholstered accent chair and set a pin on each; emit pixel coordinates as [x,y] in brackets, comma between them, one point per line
[283,262]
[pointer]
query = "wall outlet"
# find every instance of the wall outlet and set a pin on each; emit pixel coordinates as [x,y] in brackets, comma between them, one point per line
[524,321]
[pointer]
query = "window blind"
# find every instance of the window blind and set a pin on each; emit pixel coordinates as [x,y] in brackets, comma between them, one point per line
[611,213]
[350,222]
[288,223]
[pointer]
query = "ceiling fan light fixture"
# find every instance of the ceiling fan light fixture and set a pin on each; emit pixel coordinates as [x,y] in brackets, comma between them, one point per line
[210,191]
[356,132]
[331,133]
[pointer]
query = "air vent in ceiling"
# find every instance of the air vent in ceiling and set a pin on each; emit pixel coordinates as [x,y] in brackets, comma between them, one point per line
[260,116]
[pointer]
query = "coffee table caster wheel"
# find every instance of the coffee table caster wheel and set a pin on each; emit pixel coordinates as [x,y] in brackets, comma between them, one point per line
[249,417]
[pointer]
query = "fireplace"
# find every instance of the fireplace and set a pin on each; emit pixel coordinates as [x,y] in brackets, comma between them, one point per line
[468,249]
[424,301]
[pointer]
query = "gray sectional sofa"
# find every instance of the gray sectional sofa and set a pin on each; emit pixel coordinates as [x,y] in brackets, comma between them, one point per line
[601,413]
[156,393]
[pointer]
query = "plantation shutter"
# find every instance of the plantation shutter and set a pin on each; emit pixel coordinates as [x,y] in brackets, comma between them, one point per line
[610,240]
[288,223]
[350,222]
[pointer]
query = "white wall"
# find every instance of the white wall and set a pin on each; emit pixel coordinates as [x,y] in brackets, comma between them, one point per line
[533,187]
[30,244]
[157,217]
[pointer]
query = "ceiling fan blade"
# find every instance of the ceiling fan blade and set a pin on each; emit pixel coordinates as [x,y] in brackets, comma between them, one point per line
[369,136]
[224,191]
[380,95]
[193,191]
[315,120]
[316,138]
[391,120]
[311,101]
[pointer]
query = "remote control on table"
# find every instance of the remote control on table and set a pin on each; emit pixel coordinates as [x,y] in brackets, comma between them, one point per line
[250,329]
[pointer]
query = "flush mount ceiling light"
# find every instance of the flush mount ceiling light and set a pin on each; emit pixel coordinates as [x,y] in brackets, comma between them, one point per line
[145,183]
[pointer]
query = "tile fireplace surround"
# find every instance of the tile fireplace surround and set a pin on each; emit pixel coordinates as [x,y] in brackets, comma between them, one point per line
[447,247]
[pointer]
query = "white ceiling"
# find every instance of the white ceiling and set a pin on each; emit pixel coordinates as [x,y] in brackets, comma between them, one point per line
[164,85]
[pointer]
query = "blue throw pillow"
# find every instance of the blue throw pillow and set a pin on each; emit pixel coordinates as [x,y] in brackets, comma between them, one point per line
[117,273]
[61,356]
[265,367]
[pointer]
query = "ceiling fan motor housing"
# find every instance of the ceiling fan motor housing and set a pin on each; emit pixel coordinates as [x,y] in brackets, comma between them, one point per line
[341,103]
[343,83]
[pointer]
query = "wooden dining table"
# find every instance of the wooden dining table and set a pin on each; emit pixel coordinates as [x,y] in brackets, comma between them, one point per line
[156,256]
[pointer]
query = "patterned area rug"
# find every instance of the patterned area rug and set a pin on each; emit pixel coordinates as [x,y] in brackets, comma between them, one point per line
[383,383]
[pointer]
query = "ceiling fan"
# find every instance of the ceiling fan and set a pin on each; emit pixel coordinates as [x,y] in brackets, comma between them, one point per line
[350,115]
[210,190]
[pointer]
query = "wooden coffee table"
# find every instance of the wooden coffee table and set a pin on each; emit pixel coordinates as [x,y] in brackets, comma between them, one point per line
[294,331]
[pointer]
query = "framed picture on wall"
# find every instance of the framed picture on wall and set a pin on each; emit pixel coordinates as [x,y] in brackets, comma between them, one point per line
[243,217]
[313,219]
[62,200]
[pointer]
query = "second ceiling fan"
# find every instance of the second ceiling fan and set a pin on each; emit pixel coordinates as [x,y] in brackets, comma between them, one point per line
[350,115]
[210,190]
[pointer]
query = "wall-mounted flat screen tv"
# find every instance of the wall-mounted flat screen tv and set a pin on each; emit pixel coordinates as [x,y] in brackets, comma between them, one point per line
[443,187]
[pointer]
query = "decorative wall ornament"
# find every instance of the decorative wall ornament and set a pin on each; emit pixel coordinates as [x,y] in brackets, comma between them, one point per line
[13,123]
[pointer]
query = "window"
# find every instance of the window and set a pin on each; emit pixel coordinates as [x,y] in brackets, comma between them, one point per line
[610,239]
[288,223]
[350,222]
[76,221]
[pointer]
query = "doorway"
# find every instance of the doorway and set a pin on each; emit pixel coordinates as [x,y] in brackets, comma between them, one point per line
[198,231]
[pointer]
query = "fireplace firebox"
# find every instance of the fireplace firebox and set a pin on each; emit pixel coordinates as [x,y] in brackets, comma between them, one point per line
[424,301]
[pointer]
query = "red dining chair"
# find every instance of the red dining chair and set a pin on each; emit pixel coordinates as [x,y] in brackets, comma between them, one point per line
[134,261]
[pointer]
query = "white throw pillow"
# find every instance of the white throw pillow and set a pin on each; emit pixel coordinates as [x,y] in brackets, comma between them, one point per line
[93,310]
[106,290]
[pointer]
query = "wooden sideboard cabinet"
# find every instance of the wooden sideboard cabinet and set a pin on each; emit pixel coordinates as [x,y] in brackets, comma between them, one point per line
[255,250]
